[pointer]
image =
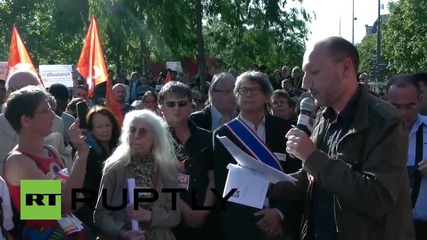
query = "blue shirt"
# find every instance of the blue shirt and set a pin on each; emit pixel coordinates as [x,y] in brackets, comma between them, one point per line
[420,209]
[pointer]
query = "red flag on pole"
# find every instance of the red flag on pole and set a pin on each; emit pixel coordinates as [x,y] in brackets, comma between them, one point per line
[168,77]
[92,67]
[18,55]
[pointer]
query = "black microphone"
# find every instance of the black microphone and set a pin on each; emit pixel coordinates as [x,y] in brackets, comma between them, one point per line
[304,118]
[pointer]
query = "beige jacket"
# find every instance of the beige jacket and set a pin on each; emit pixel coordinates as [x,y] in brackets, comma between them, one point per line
[111,222]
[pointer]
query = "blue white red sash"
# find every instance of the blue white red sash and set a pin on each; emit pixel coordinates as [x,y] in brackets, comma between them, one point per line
[253,144]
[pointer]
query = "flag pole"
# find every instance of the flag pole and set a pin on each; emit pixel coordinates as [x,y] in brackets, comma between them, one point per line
[352,26]
[378,40]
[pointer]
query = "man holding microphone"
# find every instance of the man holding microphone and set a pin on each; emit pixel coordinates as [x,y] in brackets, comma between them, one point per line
[354,175]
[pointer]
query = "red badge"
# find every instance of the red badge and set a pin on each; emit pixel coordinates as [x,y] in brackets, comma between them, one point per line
[181,165]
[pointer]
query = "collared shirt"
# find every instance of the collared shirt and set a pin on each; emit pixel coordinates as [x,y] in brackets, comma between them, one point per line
[420,209]
[217,120]
[323,200]
[260,132]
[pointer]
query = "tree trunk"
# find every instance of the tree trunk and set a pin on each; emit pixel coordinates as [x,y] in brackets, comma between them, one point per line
[200,47]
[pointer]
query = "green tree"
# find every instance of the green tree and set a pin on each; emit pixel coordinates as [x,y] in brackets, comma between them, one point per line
[404,43]
[366,48]
[241,32]
[263,32]
[51,29]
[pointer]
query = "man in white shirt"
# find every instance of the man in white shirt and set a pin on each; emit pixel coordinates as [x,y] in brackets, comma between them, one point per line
[222,103]
[257,131]
[403,92]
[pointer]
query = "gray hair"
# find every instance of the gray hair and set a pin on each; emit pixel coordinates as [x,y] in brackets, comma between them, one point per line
[217,79]
[260,78]
[21,77]
[162,149]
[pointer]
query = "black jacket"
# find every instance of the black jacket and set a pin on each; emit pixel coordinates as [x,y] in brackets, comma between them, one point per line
[238,220]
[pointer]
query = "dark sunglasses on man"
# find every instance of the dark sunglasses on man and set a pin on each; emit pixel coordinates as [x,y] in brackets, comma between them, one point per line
[173,104]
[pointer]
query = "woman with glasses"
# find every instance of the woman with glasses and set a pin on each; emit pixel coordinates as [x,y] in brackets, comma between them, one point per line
[146,154]
[29,113]
[103,136]
[149,101]
[281,105]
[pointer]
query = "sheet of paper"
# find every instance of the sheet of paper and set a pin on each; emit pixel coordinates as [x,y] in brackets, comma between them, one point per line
[251,186]
[247,161]
[131,190]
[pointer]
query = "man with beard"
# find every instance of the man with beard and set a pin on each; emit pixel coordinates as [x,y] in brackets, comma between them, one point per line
[354,173]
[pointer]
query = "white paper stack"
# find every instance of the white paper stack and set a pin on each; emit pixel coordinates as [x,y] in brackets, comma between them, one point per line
[131,188]
[250,176]
[251,186]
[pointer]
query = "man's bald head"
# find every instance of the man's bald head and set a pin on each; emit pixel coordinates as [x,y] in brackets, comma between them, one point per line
[119,86]
[20,79]
[340,49]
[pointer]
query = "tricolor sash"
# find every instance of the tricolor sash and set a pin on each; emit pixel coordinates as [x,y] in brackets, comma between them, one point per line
[253,144]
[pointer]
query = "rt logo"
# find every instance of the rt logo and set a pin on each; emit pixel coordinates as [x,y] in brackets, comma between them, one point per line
[40,199]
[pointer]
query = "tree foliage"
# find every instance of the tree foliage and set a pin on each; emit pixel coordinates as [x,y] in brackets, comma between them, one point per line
[366,48]
[240,32]
[404,43]
[256,31]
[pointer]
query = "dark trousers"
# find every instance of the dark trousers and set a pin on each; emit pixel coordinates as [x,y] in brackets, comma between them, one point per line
[420,230]
[211,230]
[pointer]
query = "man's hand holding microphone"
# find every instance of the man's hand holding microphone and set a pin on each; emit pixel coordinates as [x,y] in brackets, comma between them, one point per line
[299,143]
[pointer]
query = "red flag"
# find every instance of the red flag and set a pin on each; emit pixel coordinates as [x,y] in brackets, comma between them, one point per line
[168,77]
[92,67]
[18,55]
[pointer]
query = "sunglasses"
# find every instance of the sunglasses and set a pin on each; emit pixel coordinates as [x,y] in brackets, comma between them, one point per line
[173,104]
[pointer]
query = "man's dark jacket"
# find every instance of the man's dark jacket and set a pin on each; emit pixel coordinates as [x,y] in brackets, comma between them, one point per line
[368,176]
[239,221]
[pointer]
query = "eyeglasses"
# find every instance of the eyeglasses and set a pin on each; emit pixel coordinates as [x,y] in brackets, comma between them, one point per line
[147,101]
[245,90]
[173,104]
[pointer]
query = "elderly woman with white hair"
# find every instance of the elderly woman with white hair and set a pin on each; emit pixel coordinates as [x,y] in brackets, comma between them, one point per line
[146,154]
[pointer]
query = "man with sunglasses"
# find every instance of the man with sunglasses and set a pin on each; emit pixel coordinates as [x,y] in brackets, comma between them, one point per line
[252,129]
[193,147]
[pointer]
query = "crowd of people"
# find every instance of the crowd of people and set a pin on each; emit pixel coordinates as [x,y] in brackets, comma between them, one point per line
[360,170]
